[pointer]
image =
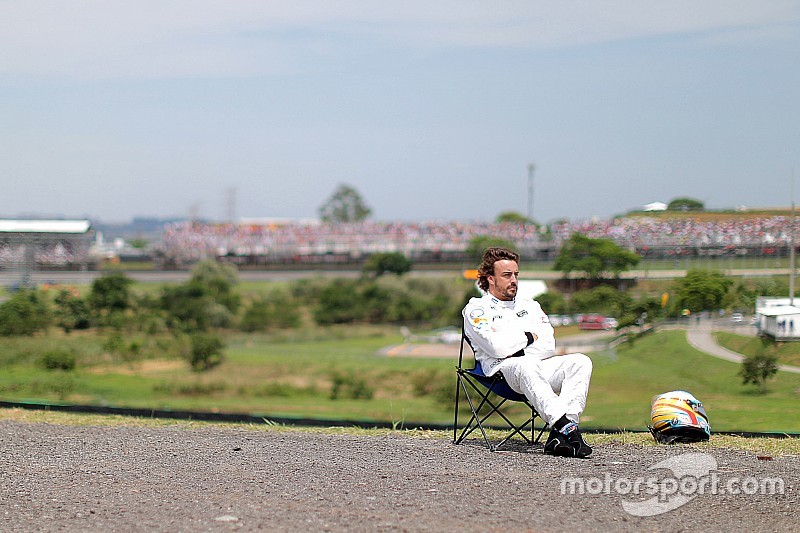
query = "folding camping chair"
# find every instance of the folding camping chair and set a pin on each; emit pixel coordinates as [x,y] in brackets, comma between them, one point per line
[485,396]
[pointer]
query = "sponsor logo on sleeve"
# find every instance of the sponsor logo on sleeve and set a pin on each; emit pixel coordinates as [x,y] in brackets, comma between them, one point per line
[477,319]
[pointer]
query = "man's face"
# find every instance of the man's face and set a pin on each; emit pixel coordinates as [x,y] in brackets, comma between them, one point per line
[503,284]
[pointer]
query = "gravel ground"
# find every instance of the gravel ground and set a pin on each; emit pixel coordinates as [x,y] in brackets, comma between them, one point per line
[71,478]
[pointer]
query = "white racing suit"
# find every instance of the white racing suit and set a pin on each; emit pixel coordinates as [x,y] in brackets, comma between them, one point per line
[556,385]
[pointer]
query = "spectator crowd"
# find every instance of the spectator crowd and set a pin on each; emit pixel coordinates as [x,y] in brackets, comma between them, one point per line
[278,241]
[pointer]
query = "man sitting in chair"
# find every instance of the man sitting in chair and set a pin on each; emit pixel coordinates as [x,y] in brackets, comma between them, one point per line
[513,336]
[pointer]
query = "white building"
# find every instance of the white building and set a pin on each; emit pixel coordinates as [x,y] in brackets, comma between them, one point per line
[780,322]
[655,206]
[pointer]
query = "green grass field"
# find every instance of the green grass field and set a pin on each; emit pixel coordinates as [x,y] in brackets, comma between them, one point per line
[663,362]
[293,377]
[788,353]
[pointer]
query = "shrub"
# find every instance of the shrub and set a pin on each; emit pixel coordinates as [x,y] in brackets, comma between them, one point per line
[206,352]
[758,369]
[339,303]
[440,385]
[25,313]
[72,312]
[111,293]
[350,386]
[275,311]
[219,281]
[58,359]
[382,263]
[61,385]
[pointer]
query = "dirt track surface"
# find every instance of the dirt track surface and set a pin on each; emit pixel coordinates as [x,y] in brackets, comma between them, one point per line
[69,478]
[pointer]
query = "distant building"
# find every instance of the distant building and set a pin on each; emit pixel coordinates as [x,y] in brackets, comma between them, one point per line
[655,206]
[782,323]
[778,318]
[29,245]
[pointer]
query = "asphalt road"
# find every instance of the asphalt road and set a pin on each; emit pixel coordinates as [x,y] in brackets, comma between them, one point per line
[68,478]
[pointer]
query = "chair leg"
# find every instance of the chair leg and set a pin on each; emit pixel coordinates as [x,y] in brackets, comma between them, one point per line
[463,385]
[455,415]
[469,427]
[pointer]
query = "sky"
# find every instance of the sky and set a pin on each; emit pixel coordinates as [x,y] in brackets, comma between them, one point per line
[431,110]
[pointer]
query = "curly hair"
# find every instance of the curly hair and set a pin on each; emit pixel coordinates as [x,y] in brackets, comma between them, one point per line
[490,257]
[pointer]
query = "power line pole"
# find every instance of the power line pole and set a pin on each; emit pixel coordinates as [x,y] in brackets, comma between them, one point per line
[531,168]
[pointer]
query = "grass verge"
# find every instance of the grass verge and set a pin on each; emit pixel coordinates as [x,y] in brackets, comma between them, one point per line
[770,447]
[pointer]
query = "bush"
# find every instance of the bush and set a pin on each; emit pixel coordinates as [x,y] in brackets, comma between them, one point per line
[758,369]
[58,359]
[386,300]
[350,386]
[61,385]
[219,281]
[110,293]
[381,263]
[440,385]
[72,312]
[206,352]
[339,303]
[25,313]
[276,311]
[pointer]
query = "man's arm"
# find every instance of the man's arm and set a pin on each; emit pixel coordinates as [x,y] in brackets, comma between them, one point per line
[496,338]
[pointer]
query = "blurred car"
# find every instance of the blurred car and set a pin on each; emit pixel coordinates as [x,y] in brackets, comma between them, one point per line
[447,335]
[594,322]
[560,320]
[737,318]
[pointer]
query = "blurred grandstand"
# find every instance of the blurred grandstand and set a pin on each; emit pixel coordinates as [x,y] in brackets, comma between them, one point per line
[28,245]
[313,243]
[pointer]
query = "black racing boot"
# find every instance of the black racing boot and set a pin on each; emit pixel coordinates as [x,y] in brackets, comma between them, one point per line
[557,444]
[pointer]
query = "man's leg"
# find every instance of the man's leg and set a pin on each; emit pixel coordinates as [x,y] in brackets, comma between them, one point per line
[569,377]
[557,389]
[556,386]
[527,376]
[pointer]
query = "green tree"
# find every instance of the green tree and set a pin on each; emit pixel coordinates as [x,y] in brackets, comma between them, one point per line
[208,299]
[382,263]
[111,293]
[344,205]
[25,313]
[72,311]
[685,204]
[602,299]
[593,257]
[513,217]
[553,303]
[758,369]
[340,303]
[701,290]
[191,307]
[206,352]
[220,281]
[274,311]
[138,243]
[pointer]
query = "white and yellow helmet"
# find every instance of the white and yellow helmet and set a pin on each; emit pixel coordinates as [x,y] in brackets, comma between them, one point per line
[677,416]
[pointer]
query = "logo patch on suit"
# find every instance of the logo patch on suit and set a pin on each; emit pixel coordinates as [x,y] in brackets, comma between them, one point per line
[477,319]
